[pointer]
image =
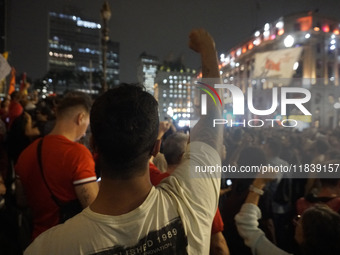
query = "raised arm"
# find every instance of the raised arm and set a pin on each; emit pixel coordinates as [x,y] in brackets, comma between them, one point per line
[202,42]
[247,222]
[29,129]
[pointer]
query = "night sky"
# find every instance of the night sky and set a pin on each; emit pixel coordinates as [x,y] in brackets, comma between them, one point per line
[159,27]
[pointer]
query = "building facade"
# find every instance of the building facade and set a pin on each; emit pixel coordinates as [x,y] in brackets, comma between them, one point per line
[74,54]
[175,92]
[146,71]
[298,50]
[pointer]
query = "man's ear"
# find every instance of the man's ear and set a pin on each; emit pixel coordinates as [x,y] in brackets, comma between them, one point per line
[156,147]
[80,118]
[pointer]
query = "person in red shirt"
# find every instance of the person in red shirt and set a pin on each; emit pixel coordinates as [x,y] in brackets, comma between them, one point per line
[328,194]
[15,109]
[67,166]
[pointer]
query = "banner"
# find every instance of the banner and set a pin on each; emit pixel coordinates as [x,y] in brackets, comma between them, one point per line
[276,64]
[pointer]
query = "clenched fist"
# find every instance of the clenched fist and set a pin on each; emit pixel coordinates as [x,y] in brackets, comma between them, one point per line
[200,40]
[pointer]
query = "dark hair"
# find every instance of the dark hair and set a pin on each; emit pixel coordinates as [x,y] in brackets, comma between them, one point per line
[321,231]
[74,99]
[174,147]
[124,125]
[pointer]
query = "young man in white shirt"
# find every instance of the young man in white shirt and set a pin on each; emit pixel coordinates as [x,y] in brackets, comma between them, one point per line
[129,215]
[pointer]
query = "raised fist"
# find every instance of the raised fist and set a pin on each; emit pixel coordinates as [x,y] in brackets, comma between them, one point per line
[200,40]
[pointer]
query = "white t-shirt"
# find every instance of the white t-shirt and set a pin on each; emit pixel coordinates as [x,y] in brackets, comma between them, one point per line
[175,218]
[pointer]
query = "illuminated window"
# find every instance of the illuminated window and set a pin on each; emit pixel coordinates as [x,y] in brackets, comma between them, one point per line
[88,24]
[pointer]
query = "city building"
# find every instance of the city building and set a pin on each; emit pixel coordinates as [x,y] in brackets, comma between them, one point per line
[297,50]
[146,71]
[174,92]
[74,54]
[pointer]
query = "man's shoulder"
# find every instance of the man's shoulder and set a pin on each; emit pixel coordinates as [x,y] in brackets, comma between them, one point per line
[60,142]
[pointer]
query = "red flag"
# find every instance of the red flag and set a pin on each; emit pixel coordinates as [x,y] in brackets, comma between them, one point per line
[12,82]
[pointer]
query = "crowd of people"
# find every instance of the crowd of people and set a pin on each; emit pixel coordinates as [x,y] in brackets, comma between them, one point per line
[105,176]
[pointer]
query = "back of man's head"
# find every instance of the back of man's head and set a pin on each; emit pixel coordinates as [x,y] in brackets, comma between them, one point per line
[124,125]
[73,101]
[174,147]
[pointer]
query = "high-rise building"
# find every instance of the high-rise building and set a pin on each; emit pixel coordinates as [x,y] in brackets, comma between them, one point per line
[298,50]
[147,70]
[74,53]
[174,92]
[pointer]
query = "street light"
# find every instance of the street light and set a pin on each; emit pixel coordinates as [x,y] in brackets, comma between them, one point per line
[105,14]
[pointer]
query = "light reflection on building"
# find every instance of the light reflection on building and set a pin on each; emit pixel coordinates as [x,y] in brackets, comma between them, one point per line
[74,45]
[175,93]
[316,67]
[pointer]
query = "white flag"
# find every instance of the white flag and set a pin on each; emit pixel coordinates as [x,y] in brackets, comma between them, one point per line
[276,64]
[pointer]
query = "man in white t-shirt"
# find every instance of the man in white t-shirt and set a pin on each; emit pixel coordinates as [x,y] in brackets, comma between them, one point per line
[129,215]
